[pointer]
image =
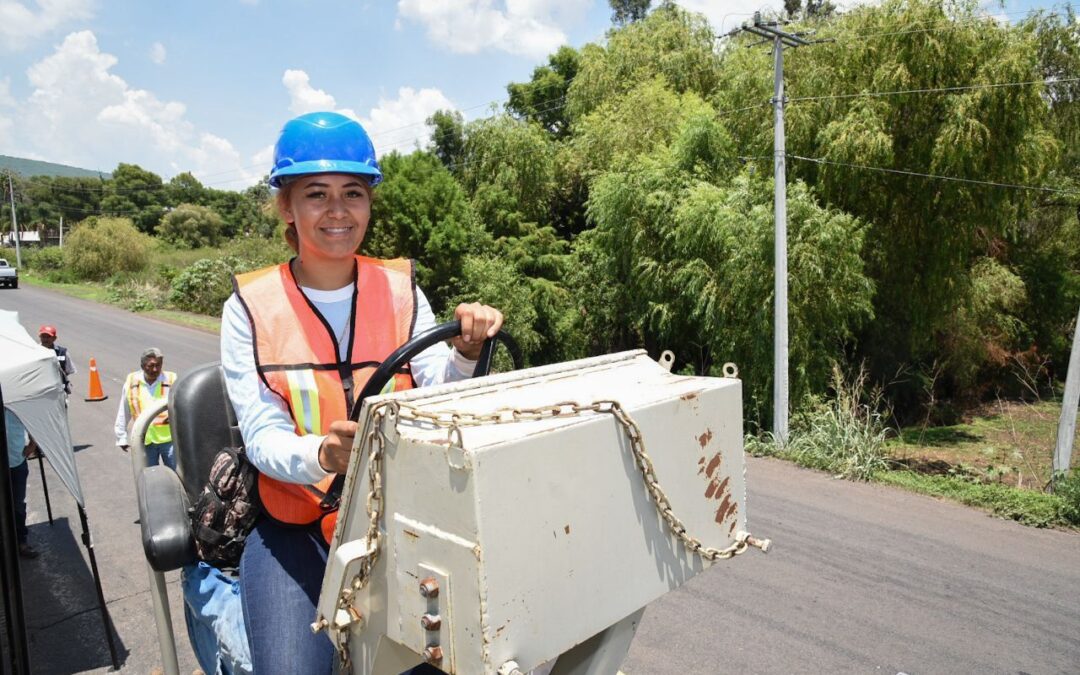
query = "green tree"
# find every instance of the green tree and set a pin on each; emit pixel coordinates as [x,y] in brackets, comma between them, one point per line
[421,212]
[923,234]
[509,172]
[543,98]
[628,11]
[135,193]
[448,137]
[184,188]
[670,44]
[191,226]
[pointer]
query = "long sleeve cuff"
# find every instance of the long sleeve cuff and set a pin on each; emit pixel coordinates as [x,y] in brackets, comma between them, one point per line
[462,365]
[309,460]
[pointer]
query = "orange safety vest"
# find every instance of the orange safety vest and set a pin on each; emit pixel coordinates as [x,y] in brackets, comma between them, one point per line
[297,357]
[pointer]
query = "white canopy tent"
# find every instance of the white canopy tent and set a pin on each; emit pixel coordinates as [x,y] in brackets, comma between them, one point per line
[33,390]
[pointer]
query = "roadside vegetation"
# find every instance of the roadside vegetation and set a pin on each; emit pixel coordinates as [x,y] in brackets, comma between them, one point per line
[623,199]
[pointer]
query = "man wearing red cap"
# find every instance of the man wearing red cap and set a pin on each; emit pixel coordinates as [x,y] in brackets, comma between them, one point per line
[47,335]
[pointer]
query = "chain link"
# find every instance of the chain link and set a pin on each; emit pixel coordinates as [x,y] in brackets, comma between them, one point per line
[453,421]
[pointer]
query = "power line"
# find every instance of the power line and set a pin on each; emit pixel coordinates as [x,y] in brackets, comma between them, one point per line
[971,181]
[969,87]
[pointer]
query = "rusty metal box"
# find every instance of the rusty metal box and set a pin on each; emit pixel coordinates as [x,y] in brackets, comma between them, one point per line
[538,533]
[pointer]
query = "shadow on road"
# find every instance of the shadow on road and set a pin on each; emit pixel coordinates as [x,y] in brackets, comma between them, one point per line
[64,622]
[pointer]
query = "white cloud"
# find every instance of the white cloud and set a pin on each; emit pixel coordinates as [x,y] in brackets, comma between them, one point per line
[21,25]
[731,14]
[531,28]
[304,98]
[157,53]
[394,124]
[81,113]
[400,123]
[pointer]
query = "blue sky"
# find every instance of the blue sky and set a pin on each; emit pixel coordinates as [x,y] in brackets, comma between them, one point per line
[204,86]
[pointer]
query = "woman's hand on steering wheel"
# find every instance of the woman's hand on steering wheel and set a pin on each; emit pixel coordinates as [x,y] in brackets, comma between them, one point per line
[478,323]
[337,446]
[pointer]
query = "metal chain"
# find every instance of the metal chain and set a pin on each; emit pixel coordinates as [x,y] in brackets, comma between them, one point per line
[453,421]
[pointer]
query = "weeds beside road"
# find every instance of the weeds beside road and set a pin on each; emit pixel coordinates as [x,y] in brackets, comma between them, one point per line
[1000,460]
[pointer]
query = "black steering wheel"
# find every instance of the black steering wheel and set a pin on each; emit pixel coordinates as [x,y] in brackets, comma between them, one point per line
[407,352]
[418,343]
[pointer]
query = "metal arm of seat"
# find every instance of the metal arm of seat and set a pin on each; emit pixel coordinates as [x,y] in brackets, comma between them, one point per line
[158,592]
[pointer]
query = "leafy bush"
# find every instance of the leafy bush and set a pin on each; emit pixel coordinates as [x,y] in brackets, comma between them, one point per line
[100,247]
[191,226]
[1067,487]
[47,259]
[206,285]
[256,252]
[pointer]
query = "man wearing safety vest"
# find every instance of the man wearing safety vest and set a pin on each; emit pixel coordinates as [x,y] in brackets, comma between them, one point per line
[142,389]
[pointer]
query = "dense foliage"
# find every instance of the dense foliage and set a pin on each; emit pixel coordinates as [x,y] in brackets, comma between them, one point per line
[624,200]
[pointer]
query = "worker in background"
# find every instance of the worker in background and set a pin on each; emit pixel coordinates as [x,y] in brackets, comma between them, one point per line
[47,336]
[142,389]
[19,447]
[298,341]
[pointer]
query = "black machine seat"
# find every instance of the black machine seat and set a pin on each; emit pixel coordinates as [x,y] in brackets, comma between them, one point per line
[203,422]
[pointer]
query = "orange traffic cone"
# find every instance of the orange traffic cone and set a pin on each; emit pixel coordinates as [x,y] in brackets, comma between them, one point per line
[96,394]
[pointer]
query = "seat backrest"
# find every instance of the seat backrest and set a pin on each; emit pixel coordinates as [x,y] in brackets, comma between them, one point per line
[203,422]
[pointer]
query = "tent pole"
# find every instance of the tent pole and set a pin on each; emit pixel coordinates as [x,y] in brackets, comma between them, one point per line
[105,620]
[15,618]
[44,484]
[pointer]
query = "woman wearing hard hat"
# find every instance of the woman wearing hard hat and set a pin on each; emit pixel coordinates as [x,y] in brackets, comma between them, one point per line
[298,341]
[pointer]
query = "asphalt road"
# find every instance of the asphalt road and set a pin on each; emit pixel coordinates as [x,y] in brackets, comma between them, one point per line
[862,579]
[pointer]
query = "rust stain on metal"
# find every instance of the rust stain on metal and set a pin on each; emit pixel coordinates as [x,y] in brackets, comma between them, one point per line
[701,466]
[704,438]
[410,533]
[567,529]
[689,396]
[713,464]
[726,510]
[731,528]
[711,490]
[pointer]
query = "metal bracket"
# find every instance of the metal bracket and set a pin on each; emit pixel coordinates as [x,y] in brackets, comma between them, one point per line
[667,359]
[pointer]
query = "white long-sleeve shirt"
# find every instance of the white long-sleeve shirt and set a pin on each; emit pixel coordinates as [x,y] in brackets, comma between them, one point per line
[123,413]
[266,425]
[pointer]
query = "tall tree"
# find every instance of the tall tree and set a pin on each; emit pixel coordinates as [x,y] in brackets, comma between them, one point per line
[628,11]
[543,98]
[137,194]
[448,137]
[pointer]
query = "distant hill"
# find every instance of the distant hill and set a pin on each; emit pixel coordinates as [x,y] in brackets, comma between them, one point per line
[32,167]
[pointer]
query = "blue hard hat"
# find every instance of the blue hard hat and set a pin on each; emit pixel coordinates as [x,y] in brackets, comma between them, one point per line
[323,142]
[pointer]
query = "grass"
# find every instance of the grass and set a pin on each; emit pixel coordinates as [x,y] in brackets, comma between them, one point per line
[1029,507]
[99,292]
[1006,442]
[999,460]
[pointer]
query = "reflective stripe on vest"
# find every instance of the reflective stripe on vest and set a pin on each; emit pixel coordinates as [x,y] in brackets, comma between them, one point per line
[141,396]
[297,357]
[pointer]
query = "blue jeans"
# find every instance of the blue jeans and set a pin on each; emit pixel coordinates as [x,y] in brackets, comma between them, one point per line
[160,453]
[215,620]
[281,574]
[19,475]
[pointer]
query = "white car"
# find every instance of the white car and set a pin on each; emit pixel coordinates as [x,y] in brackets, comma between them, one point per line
[9,276]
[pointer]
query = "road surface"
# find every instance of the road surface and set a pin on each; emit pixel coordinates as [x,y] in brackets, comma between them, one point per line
[862,579]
